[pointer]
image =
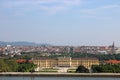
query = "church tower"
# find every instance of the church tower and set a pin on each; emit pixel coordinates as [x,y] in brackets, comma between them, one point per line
[113,48]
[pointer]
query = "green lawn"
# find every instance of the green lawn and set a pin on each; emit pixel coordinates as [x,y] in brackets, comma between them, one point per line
[49,70]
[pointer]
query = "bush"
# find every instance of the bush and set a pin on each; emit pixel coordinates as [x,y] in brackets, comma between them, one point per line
[82,69]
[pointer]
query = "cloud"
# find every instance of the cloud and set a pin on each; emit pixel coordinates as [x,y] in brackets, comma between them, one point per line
[52,9]
[100,12]
[110,6]
[44,5]
[96,17]
[99,9]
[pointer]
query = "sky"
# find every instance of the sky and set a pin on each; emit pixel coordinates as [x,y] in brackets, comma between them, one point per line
[61,22]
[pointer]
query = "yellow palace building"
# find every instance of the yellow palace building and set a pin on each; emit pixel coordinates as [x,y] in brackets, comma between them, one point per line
[66,62]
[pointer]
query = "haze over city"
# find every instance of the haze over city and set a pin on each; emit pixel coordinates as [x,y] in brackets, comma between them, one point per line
[61,22]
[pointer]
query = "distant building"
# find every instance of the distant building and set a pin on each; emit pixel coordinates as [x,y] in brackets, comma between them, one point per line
[65,62]
[102,52]
[113,61]
[23,60]
[117,51]
[11,51]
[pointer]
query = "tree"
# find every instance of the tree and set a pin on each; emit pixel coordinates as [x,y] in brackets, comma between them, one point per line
[96,68]
[107,68]
[3,66]
[26,67]
[82,69]
[13,65]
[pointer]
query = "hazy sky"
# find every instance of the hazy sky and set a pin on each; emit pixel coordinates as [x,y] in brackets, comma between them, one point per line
[61,22]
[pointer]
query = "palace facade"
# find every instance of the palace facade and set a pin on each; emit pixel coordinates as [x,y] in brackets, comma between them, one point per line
[66,62]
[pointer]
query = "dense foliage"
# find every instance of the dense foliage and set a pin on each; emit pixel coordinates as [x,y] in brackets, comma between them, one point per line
[26,67]
[13,66]
[106,68]
[82,69]
[3,66]
[98,56]
[29,55]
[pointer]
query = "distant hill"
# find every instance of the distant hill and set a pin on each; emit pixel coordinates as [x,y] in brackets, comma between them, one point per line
[22,43]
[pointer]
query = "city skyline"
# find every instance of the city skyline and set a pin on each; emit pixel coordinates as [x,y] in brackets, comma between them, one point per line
[28,43]
[61,22]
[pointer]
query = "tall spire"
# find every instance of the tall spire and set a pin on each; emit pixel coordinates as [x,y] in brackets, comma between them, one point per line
[113,47]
